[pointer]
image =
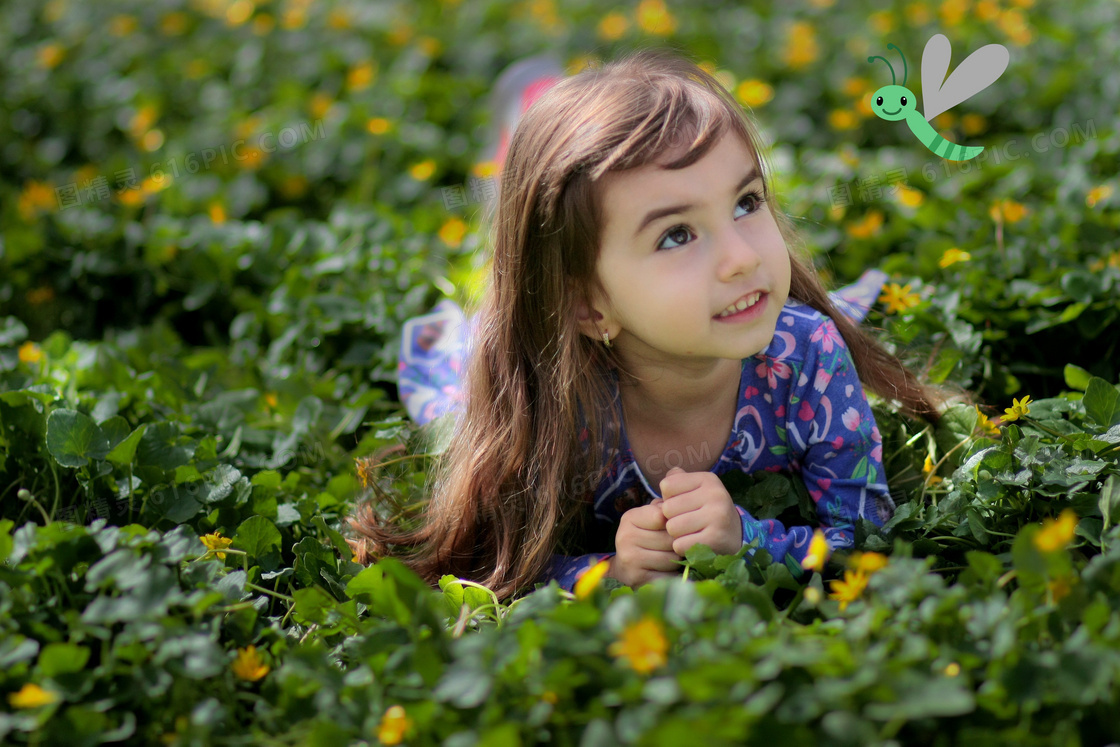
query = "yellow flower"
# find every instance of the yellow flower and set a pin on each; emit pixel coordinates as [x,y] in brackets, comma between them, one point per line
[270,399]
[394,725]
[1059,588]
[917,14]
[856,87]
[898,298]
[122,25]
[952,256]
[173,24]
[378,126]
[31,696]
[848,590]
[973,124]
[882,21]
[423,170]
[944,120]
[801,45]
[1013,23]
[953,12]
[654,18]
[361,76]
[591,579]
[248,665]
[986,426]
[294,186]
[754,92]
[1019,407]
[818,553]
[320,105]
[952,669]
[132,197]
[842,119]
[987,10]
[909,196]
[1056,533]
[40,295]
[239,11]
[868,562]
[613,26]
[217,214]
[643,645]
[37,197]
[867,226]
[485,169]
[1096,194]
[1008,211]
[50,55]
[550,697]
[338,19]
[927,469]
[452,232]
[215,543]
[263,23]
[400,34]
[29,352]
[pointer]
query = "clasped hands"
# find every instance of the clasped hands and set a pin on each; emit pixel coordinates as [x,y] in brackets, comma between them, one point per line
[695,509]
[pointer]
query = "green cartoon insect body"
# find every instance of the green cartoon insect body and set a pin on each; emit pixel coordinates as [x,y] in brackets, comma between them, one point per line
[897,102]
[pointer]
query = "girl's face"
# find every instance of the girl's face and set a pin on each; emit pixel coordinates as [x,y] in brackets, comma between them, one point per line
[680,247]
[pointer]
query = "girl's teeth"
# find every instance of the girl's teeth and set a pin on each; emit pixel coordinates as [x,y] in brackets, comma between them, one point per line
[749,301]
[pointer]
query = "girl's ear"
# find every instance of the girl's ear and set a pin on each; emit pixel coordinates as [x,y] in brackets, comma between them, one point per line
[593,323]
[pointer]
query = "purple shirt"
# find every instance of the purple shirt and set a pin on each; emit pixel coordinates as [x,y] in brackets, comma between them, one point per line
[801,409]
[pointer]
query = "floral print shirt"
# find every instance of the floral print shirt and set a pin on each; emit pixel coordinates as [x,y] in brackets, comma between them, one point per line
[801,409]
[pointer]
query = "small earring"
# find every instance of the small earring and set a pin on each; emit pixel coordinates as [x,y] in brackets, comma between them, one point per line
[606,339]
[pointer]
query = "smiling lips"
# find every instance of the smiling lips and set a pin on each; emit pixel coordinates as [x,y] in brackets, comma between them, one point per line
[743,303]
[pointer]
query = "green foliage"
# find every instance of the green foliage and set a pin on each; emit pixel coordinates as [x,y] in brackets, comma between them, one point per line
[197,368]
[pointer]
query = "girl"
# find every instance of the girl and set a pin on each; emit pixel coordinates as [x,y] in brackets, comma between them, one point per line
[647,328]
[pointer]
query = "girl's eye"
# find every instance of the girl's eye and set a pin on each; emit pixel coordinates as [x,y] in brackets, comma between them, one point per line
[753,199]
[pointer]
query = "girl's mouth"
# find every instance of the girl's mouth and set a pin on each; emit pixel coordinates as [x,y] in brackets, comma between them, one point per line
[750,312]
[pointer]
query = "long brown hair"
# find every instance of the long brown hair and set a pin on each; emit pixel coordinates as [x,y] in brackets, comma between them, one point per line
[514,480]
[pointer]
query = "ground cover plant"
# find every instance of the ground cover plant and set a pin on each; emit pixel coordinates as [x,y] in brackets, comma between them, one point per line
[214,219]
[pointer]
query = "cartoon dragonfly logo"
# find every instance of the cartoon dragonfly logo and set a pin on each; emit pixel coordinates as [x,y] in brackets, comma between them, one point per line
[897,102]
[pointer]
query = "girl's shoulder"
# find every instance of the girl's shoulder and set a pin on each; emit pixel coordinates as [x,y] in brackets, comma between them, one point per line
[800,329]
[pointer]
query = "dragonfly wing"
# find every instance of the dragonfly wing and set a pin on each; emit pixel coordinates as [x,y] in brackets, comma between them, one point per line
[978,71]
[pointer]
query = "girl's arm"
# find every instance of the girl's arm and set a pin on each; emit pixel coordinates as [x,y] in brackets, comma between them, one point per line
[835,444]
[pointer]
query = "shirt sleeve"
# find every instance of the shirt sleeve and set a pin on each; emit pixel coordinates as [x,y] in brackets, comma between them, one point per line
[835,445]
[567,569]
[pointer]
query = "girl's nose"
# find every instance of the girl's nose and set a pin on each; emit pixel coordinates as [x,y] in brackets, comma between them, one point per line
[739,256]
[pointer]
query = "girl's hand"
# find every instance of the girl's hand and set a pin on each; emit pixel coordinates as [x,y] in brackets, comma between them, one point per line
[699,510]
[643,549]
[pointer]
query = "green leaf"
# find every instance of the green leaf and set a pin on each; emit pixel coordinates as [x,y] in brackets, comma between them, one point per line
[1102,402]
[124,452]
[257,536]
[1110,502]
[73,438]
[1076,377]
[62,658]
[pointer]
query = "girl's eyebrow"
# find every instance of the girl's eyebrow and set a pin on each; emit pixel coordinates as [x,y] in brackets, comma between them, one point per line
[653,215]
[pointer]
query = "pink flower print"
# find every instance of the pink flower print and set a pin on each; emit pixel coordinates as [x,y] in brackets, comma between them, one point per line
[838,442]
[824,483]
[851,419]
[816,495]
[781,411]
[877,453]
[848,390]
[875,434]
[806,412]
[773,370]
[820,382]
[750,391]
[774,468]
[828,335]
